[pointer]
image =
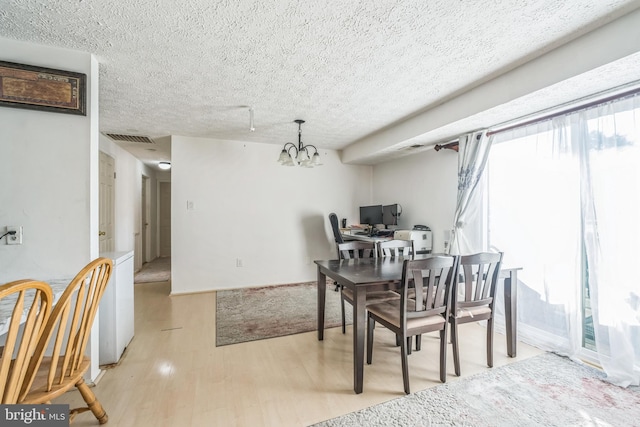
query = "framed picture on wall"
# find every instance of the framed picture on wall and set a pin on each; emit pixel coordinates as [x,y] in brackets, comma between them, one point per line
[39,88]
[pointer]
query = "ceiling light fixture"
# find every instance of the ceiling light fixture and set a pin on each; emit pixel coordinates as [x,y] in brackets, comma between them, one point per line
[164,165]
[292,155]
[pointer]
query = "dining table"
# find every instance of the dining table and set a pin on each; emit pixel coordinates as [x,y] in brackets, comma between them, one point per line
[7,304]
[368,274]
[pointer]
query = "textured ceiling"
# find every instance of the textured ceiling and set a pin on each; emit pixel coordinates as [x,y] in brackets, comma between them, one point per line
[349,68]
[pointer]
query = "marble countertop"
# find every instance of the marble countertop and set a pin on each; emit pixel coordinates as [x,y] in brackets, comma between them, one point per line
[7,304]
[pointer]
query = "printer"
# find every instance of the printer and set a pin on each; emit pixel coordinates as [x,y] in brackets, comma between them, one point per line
[421,236]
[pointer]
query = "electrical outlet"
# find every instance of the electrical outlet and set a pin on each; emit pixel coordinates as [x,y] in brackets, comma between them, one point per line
[238,262]
[15,239]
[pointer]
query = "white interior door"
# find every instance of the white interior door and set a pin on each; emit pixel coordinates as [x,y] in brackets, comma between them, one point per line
[106,196]
[145,220]
[164,218]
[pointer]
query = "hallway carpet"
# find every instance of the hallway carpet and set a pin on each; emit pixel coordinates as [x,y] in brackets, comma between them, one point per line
[158,270]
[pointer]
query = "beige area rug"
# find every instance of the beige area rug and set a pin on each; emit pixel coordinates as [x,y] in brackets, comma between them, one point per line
[252,314]
[158,270]
[545,390]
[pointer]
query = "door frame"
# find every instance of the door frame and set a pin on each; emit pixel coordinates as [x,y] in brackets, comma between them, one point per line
[110,232]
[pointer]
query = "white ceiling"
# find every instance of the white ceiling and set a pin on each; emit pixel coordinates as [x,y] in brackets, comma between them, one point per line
[349,68]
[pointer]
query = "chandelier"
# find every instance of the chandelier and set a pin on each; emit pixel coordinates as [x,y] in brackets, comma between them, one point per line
[292,155]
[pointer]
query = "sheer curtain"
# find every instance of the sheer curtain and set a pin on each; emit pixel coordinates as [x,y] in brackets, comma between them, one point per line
[473,152]
[609,151]
[534,218]
[564,203]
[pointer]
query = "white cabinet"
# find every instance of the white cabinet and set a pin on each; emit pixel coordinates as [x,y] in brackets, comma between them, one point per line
[116,309]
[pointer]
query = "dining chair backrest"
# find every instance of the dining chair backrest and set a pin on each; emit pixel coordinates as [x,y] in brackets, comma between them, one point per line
[31,301]
[395,248]
[473,298]
[477,281]
[70,323]
[432,281]
[356,249]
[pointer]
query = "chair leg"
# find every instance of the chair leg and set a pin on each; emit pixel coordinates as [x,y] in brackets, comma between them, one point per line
[490,342]
[456,350]
[418,342]
[344,319]
[405,364]
[92,402]
[370,326]
[409,344]
[443,354]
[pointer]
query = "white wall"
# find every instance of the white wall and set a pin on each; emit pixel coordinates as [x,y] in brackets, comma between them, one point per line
[48,174]
[426,185]
[49,177]
[247,206]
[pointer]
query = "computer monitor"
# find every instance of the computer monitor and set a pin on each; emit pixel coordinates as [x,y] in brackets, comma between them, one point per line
[371,215]
[390,214]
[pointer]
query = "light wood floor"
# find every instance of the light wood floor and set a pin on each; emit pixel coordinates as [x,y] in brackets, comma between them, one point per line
[172,374]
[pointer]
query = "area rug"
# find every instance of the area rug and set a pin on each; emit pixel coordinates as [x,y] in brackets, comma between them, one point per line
[158,270]
[546,390]
[252,314]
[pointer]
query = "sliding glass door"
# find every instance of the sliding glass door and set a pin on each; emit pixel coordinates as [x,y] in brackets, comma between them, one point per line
[534,218]
[563,202]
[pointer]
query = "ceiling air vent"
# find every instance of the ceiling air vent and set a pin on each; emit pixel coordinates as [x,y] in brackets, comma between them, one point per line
[130,138]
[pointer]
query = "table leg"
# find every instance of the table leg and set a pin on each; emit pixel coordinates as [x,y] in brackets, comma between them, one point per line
[510,311]
[322,294]
[359,329]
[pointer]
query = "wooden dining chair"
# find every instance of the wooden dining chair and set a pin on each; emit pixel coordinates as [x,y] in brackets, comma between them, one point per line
[473,298]
[67,330]
[31,305]
[395,248]
[353,250]
[432,280]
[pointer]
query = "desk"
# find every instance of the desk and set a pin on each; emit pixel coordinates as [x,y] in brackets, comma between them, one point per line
[365,238]
[364,274]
